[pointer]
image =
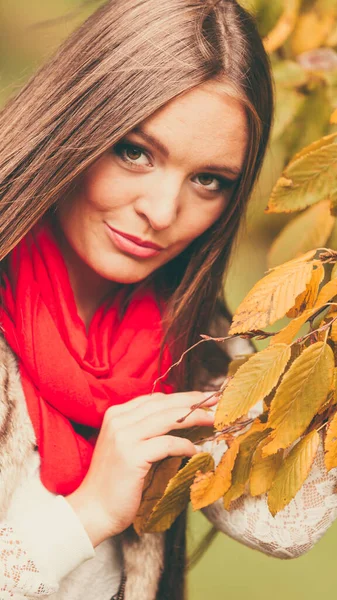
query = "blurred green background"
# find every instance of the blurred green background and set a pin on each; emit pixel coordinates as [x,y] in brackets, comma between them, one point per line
[305,68]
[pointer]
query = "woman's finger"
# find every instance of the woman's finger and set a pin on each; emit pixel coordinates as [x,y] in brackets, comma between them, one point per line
[166,445]
[150,405]
[167,420]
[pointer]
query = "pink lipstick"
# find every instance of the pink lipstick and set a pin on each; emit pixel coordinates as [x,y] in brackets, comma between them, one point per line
[132,244]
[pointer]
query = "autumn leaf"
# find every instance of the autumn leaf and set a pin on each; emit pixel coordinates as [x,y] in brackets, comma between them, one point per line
[293,472]
[330,444]
[287,334]
[308,298]
[283,28]
[253,381]
[319,23]
[317,223]
[242,466]
[272,296]
[263,470]
[209,487]
[310,179]
[333,330]
[154,487]
[328,291]
[333,119]
[236,363]
[314,146]
[176,495]
[299,396]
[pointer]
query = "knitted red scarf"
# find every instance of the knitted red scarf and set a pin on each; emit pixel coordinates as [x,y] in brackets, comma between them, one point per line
[71,377]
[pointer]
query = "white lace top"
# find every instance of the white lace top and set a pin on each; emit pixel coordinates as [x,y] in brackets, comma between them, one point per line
[44,550]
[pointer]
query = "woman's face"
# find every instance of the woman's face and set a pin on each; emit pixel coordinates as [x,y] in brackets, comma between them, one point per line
[145,200]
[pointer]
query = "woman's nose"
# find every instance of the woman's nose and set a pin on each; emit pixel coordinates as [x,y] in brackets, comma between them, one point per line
[159,203]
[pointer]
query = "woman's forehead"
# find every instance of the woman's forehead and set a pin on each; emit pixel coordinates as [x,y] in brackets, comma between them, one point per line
[204,124]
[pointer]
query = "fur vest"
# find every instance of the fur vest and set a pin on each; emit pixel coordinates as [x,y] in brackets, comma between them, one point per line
[143,557]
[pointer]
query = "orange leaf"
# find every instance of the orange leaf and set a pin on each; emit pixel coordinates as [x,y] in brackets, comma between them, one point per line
[263,470]
[209,487]
[308,298]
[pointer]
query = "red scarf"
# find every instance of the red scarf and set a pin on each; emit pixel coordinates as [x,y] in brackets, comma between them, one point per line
[71,377]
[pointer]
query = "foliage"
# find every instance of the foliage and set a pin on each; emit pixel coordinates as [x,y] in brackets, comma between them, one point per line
[294,383]
[293,379]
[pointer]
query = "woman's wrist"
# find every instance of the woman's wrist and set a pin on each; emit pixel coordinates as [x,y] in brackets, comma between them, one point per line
[89,517]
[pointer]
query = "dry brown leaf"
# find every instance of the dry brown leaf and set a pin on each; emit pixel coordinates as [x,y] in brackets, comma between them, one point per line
[301,393]
[154,487]
[293,472]
[176,495]
[209,487]
[273,295]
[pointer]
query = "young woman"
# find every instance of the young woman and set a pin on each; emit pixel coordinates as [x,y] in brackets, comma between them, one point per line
[125,167]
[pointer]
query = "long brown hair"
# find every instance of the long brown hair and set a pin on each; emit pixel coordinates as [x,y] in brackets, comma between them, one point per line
[125,62]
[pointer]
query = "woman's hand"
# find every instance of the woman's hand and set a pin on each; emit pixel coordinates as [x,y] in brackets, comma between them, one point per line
[132,437]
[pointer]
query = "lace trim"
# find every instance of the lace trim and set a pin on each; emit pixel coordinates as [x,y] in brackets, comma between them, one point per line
[18,573]
[295,529]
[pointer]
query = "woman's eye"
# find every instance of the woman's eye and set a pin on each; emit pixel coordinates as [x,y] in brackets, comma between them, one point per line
[211,183]
[132,154]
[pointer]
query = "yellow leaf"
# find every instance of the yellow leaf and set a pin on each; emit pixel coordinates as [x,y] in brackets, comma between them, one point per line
[330,444]
[318,23]
[333,119]
[236,363]
[328,291]
[299,396]
[316,222]
[263,470]
[313,178]
[333,330]
[287,334]
[307,299]
[176,496]
[316,145]
[272,296]
[283,28]
[293,472]
[242,466]
[209,487]
[154,487]
[252,383]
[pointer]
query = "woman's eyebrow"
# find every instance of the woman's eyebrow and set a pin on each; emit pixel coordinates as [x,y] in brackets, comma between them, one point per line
[232,170]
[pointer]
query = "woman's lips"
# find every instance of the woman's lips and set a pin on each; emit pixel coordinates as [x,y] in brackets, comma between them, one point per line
[127,245]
